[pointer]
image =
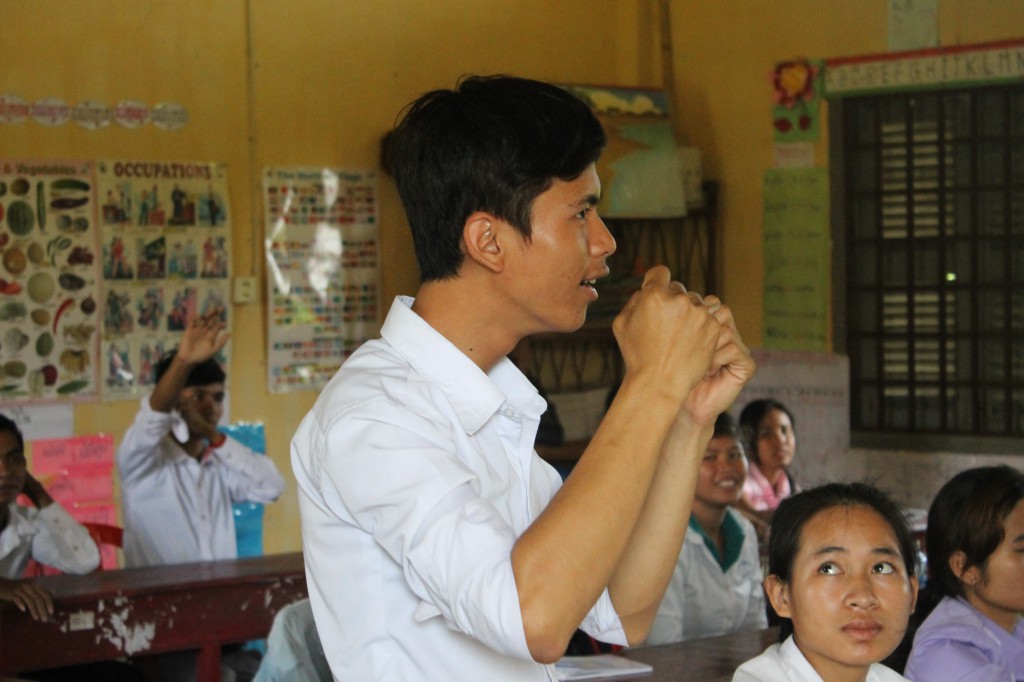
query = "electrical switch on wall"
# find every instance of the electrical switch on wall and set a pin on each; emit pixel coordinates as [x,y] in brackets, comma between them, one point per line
[244,290]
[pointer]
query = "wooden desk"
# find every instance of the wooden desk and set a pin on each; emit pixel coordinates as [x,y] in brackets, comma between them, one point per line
[113,614]
[702,660]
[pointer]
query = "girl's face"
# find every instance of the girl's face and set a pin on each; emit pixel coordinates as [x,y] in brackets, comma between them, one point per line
[997,589]
[721,475]
[776,442]
[849,595]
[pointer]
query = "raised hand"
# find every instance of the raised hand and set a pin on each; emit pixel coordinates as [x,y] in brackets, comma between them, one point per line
[204,337]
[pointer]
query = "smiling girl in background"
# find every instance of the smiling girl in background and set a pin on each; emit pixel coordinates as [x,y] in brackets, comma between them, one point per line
[716,585]
[841,566]
[975,543]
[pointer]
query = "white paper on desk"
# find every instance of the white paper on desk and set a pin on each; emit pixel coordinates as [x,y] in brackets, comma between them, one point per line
[599,667]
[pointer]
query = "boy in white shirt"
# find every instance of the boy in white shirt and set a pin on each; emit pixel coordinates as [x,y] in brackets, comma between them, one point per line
[46,533]
[179,474]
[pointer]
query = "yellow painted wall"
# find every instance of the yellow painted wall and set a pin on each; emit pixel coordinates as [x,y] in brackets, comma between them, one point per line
[310,82]
[324,83]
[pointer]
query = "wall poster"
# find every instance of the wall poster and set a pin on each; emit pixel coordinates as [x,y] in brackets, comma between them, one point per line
[165,245]
[641,170]
[49,281]
[79,473]
[797,259]
[323,271]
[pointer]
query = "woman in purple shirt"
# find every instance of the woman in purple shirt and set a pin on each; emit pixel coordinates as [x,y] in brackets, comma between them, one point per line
[975,543]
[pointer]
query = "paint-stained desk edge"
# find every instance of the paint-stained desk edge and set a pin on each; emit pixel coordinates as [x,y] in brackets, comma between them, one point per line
[114,614]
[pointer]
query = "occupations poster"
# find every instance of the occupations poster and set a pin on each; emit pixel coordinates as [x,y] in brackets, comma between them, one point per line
[165,242]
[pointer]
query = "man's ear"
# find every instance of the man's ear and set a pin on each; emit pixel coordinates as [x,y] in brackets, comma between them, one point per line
[778,594]
[481,241]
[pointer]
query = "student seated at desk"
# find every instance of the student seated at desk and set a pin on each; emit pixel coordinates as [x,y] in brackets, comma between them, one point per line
[47,533]
[769,427]
[716,586]
[973,630]
[179,474]
[841,564]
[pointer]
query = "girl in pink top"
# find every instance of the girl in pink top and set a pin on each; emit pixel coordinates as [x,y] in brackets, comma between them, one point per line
[768,425]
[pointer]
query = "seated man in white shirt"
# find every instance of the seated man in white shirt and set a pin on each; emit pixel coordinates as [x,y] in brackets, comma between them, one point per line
[179,474]
[46,533]
[438,546]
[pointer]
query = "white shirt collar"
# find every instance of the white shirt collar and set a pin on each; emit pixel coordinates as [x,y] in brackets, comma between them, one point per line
[474,395]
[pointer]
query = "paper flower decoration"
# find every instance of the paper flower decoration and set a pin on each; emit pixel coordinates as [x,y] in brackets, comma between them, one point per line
[793,82]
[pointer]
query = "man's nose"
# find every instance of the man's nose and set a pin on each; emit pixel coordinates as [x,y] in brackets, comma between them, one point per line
[601,239]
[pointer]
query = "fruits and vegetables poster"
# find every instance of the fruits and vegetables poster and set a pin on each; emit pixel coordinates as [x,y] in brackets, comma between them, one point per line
[323,271]
[165,245]
[102,264]
[49,281]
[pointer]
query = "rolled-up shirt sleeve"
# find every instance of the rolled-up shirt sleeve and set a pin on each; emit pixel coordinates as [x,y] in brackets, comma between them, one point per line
[63,543]
[251,477]
[428,512]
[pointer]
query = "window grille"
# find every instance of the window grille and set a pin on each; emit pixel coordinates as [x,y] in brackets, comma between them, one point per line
[933,229]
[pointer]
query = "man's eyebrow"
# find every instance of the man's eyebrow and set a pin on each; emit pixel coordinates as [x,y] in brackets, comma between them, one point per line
[589,200]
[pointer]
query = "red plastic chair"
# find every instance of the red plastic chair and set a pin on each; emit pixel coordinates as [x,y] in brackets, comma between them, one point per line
[105,534]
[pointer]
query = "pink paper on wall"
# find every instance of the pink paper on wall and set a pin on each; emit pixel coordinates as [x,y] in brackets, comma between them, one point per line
[56,454]
[78,474]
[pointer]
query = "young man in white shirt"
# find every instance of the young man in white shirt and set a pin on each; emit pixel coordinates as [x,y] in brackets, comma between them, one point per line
[44,532]
[179,474]
[438,545]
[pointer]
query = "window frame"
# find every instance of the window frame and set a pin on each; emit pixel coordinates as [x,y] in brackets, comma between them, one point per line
[883,437]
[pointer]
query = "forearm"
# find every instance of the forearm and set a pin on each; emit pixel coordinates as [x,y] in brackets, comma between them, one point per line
[567,557]
[639,581]
[167,391]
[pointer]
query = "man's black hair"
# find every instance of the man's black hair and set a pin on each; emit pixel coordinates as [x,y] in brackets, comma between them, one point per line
[8,424]
[493,144]
[203,374]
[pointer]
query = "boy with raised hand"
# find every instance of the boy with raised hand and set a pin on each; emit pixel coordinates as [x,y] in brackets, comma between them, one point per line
[179,474]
